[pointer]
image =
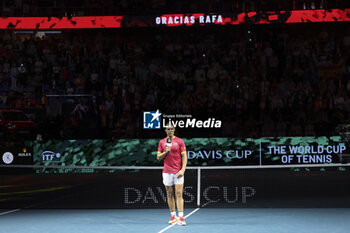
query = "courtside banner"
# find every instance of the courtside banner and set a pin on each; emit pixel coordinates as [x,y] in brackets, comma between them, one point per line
[12,155]
[219,188]
[175,20]
[200,152]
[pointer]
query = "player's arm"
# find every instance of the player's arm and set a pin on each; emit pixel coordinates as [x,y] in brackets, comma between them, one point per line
[161,155]
[184,164]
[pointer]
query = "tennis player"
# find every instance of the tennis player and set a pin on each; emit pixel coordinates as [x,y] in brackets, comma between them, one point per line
[172,150]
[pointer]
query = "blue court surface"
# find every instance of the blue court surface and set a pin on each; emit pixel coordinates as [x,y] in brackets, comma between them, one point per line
[269,220]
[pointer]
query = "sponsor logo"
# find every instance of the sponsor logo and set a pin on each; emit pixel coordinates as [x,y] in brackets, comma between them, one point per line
[24,153]
[7,157]
[219,154]
[194,123]
[151,120]
[50,156]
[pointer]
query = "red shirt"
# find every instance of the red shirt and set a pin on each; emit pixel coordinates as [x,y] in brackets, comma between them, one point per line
[173,160]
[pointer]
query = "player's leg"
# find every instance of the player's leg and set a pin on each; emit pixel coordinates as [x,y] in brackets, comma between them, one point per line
[169,187]
[170,197]
[180,203]
[179,197]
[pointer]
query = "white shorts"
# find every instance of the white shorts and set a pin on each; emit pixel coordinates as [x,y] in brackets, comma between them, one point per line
[170,179]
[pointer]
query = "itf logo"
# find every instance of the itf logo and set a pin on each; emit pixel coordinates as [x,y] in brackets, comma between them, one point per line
[151,120]
[50,156]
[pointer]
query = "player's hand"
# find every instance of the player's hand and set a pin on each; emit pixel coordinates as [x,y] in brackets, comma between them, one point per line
[180,174]
[167,149]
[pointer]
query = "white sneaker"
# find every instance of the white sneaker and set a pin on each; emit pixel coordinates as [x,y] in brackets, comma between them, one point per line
[181,221]
[173,219]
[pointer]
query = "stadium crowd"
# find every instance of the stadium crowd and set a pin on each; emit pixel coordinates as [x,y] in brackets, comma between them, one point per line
[290,80]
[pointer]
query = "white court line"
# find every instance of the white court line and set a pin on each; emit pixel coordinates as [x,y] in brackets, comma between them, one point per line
[194,211]
[28,207]
[10,211]
[168,227]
